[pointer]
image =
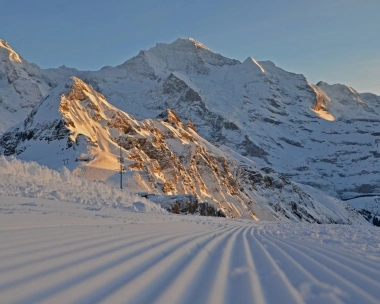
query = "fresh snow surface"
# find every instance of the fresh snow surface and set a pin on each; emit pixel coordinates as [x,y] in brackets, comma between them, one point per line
[61,252]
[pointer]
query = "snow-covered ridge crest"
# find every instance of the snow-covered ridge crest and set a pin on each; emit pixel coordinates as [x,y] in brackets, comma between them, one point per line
[199,44]
[187,44]
[13,56]
[251,61]
[78,105]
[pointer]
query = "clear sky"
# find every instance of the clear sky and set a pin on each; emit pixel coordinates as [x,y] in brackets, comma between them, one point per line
[337,41]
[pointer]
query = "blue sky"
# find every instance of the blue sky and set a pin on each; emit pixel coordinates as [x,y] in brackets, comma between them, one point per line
[336,41]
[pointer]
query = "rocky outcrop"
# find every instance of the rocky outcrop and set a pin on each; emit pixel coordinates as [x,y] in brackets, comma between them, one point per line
[376,220]
[185,204]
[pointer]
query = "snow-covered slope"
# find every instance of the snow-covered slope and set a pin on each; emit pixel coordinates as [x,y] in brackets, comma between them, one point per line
[60,252]
[22,85]
[76,125]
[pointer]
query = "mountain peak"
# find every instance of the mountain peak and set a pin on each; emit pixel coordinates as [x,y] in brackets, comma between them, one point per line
[76,82]
[78,89]
[187,55]
[198,43]
[252,61]
[342,88]
[13,56]
[187,45]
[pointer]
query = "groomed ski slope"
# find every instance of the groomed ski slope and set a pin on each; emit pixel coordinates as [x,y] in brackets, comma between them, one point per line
[61,252]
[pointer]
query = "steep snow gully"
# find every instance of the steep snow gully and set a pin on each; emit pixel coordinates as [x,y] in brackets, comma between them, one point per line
[60,252]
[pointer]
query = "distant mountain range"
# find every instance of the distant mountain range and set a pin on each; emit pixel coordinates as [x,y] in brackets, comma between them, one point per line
[247,136]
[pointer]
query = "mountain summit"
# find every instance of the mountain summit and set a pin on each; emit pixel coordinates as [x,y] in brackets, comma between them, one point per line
[182,55]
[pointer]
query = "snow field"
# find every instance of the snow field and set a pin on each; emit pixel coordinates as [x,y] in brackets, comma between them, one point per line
[60,252]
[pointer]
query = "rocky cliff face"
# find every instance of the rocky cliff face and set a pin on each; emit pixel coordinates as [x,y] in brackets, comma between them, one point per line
[77,125]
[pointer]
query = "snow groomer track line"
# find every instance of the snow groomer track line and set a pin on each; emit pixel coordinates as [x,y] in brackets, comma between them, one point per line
[55,256]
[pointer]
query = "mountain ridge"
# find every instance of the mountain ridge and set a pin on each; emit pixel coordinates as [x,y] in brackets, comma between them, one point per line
[165,156]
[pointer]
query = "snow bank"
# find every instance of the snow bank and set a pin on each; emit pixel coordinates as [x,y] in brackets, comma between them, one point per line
[29,179]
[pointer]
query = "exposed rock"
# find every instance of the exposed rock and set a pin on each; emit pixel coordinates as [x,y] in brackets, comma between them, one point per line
[376,220]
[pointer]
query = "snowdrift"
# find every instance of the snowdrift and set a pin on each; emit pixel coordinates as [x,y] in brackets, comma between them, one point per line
[29,179]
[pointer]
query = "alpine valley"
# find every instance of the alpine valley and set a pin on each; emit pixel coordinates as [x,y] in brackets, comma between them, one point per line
[245,139]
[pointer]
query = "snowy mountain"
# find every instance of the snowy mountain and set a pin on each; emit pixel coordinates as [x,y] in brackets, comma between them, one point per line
[77,125]
[253,112]
[311,133]
[22,85]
